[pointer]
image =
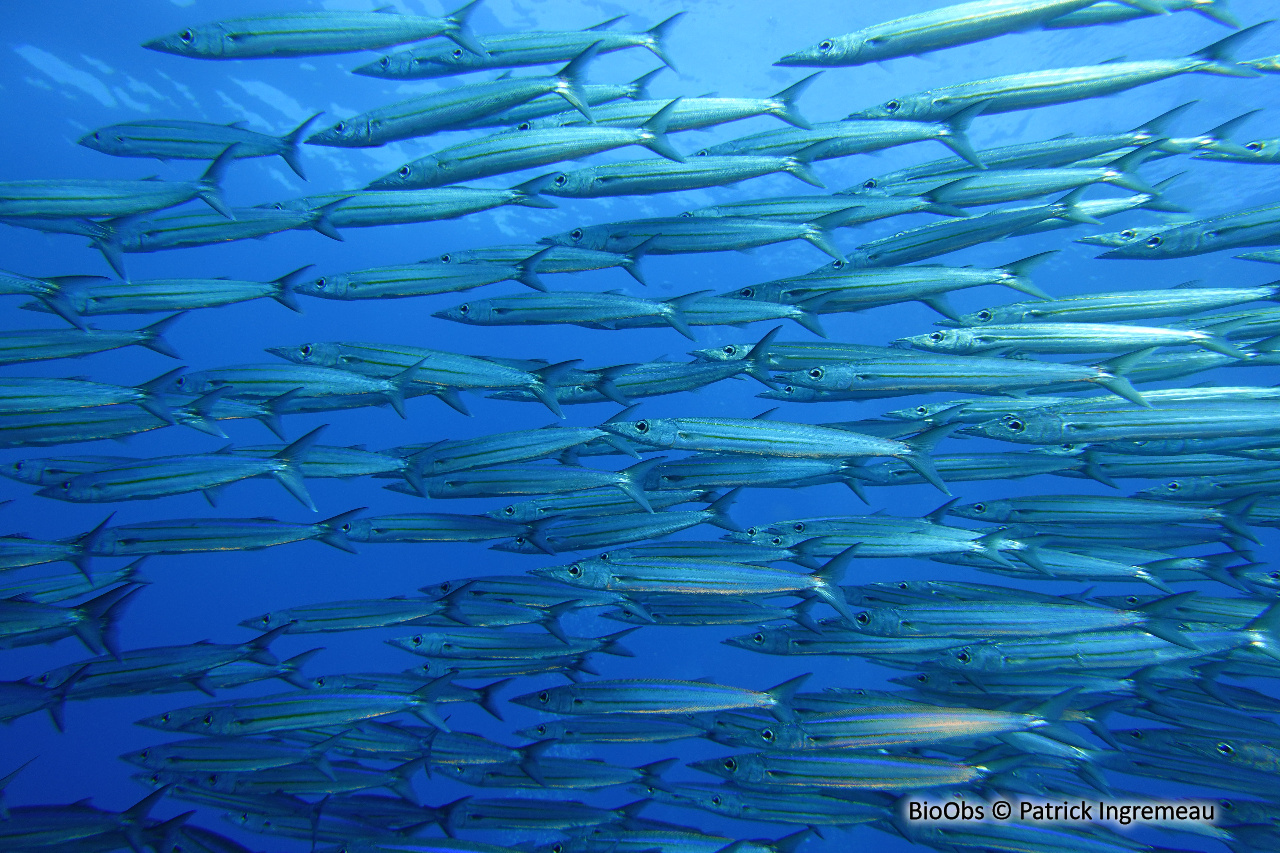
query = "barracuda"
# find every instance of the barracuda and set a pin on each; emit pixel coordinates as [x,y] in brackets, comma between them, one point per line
[70,199]
[1068,338]
[684,235]
[24,345]
[452,108]
[859,289]
[1063,85]
[605,532]
[694,113]
[105,297]
[1180,301]
[962,23]
[514,50]
[500,153]
[646,177]
[267,381]
[196,535]
[590,503]
[313,34]
[651,696]
[772,771]
[830,139]
[195,140]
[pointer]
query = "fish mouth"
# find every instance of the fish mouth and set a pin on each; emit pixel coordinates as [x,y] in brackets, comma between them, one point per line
[158,44]
[791,60]
[1099,240]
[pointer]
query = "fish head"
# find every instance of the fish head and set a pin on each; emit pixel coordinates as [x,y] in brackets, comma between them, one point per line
[1043,429]
[1257,151]
[181,720]
[1179,490]
[424,172]
[267,621]
[922,412]
[1258,575]
[591,574]
[727,352]
[348,133]
[416,64]
[1168,242]
[943,340]
[765,292]
[582,237]
[421,644]
[719,800]
[972,658]
[1119,238]
[998,314]
[517,545]
[29,471]
[107,140]
[908,108]
[335,286]
[735,768]
[830,52]
[206,42]
[477,312]
[319,354]
[568,184]
[556,700]
[553,730]
[820,377]
[764,640]
[522,513]
[143,758]
[995,511]
[793,393]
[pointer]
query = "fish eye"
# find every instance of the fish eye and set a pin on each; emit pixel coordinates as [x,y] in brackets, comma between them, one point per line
[561,180]
[937,336]
[17,466]
[305,349]
[180,381]
[164,718]
[1275,576]
[715,801]
[208,719]
[767,735]
[798,527]
[751,531]
[1135,734]
[1252,146]
[922,410]
[445,258]
[446,586]
[984,315]
[1128,233]
[524,125]
[758,639]
[730,350]
[922,678]
[1227,804]
[1173,486]
[703,153]
[320,681]
[457,53]
[747,292]
[1225,748]
[837,265]
[963,656]
[542,730]
[816,373]
[826,45]
[729,764]
[869,184]
[340,126]
[544,697]
[789,390]
[642,426]
[605,556]
[509,510]
[520,540]
[903,585]
[346,528]
[463,309]
[776,541]
[416,639]
[186,36]
[403,171]
[892,106]
[144,753]
[862,618]
[575,571]
[1016,425]
[557,848]
[1154,240]
[385,61]
[576,234]
[321,282]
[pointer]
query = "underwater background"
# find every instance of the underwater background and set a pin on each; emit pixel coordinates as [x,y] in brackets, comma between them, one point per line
[71,67]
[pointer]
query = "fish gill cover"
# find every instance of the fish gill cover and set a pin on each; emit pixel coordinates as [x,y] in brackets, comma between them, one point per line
[665,563]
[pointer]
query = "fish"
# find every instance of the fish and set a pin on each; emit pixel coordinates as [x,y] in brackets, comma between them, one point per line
[515,50]
[1063,85]
[313,34]
[961,23]
[196,140]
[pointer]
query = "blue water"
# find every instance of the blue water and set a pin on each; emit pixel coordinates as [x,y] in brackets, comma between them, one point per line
[69,67]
